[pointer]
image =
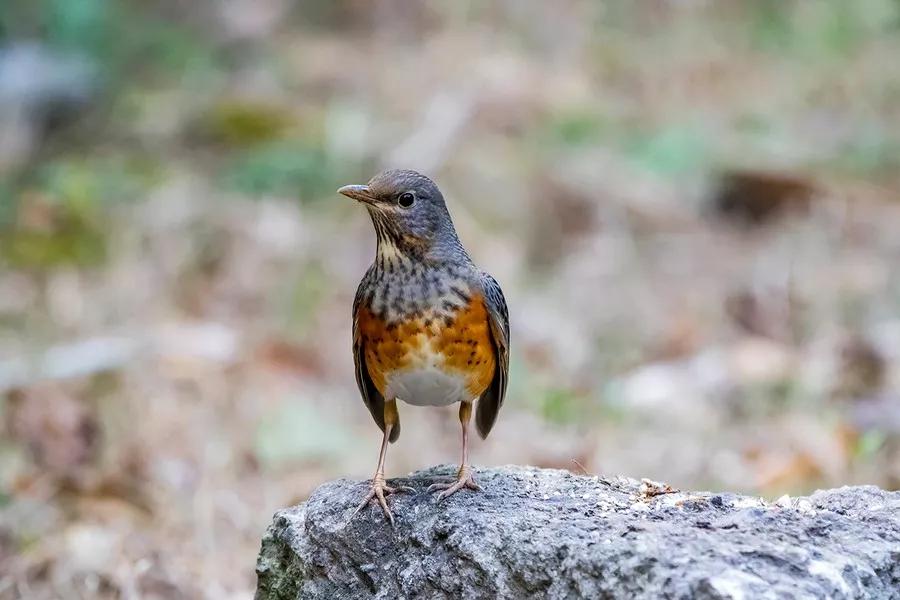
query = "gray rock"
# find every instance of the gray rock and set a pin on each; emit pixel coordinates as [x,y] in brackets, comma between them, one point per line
[551,534]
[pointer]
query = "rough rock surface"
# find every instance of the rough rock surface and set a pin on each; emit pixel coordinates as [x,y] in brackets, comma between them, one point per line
[551,534]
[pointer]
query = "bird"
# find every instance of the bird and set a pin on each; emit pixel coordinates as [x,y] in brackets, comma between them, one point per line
[429,327]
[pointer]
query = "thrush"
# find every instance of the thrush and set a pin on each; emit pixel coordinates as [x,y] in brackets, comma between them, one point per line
[429,327]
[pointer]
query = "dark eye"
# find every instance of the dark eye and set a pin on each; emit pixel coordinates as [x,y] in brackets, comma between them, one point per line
[406,199]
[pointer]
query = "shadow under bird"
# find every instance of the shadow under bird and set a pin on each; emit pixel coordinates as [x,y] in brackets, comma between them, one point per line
[429,327]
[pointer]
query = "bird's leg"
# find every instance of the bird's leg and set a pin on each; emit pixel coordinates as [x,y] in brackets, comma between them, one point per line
[379,488]
[465,477]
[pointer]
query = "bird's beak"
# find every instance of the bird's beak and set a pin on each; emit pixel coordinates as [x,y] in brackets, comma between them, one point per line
[358,192]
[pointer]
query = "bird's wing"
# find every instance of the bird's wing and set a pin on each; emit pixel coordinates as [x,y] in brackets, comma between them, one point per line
[371,396]
[498,318]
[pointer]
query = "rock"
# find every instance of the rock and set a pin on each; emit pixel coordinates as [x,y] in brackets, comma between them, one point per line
[551,534]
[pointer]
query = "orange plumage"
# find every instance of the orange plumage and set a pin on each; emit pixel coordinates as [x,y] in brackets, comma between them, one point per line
[461,344]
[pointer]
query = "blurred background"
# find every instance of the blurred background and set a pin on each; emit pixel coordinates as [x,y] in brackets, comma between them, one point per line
[693,208]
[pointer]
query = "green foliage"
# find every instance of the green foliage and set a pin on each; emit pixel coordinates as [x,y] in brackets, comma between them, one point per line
[561,406]
[673,150]
[299,432]
[7,203]
[771,25]
[116,34]
[167,49]
[241,124]
[93,181]
[306,296]
[765,399]
[869,443]
[289,168]
[84,25]
[71,195]
[12,460]
[876,150]
[822,28]
[73,236]
[578,128]
[753,124]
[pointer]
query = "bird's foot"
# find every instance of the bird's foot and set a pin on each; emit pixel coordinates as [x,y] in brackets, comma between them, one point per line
[379,491]
[464,479]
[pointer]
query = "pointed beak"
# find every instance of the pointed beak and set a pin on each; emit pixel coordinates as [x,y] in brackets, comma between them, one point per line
[357,192]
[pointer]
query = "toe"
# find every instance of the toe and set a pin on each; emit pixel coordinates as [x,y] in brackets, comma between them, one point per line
[451,490]
[379,492]
[465,481]
[384,507]
[363,504]
[400,488]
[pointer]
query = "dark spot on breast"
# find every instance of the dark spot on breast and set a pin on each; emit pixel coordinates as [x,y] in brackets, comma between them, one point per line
[428,322]
[448,321]
[459,293]
[447,305]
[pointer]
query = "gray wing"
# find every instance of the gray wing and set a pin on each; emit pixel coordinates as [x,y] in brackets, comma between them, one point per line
[371,396]
[498,316]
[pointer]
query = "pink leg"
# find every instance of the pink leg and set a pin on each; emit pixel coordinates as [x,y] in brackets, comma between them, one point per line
[465,477]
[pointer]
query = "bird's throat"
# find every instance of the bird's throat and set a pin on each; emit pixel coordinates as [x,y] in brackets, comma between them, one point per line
[399,249]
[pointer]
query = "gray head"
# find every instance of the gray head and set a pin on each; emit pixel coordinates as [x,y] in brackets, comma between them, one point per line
[408,212]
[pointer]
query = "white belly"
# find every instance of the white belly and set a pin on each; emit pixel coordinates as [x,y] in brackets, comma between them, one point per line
[427,386]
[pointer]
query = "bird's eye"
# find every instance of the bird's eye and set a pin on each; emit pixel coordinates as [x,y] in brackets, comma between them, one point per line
[406,199]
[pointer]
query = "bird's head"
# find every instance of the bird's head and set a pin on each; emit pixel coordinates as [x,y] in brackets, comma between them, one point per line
[408,212]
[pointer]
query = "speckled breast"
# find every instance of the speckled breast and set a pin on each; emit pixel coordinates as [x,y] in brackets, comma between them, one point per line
[434,356]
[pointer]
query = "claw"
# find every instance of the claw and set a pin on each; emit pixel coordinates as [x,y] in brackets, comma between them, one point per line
[444,478]
[465,479]
[378,492]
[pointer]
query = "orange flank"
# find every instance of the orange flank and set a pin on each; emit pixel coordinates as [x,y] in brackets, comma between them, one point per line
[461,345]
